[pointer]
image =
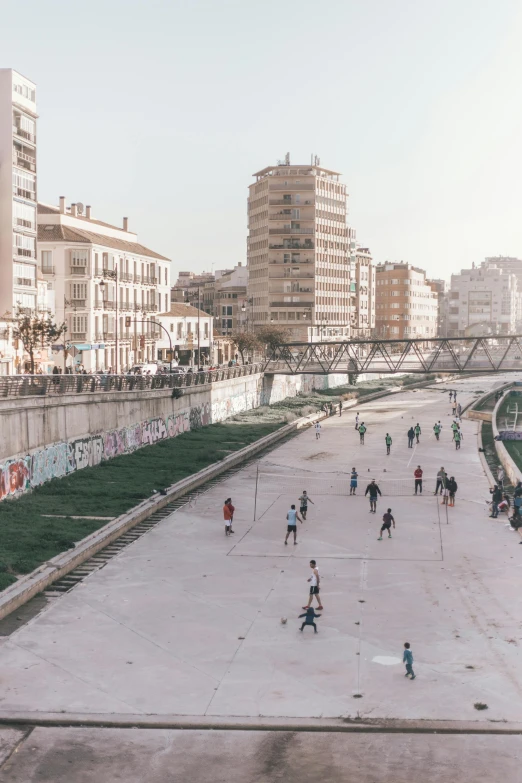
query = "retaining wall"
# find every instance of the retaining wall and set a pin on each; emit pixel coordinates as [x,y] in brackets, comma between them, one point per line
[509,465]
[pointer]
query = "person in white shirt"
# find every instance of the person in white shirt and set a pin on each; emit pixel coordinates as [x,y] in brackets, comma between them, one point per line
[356,421]
[315,581]
[317,430]
[500,476]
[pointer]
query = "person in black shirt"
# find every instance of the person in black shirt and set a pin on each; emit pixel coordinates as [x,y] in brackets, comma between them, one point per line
[411,435]
[309,616]
[373,490]
[452,487]
[387,520]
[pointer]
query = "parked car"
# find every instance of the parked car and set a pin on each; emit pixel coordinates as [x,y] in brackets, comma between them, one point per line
[144,369]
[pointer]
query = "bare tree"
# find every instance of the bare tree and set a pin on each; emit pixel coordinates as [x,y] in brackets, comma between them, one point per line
[245,342]
[36,332]
[272,337]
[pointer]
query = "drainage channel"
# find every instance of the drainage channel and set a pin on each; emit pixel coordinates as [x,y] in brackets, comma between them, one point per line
[66,583]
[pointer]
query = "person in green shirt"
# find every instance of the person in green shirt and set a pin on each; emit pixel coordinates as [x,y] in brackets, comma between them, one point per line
[457,438]
[388,442]
[417,431]
[362,430]
[436,430]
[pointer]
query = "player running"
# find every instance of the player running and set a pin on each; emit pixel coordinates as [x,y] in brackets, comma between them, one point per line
[388,441]
[418,479]
[304,500]
[387,520]
[436,429]
[417,431]
[353,481]
[315,586]
[457,437]
[291,527]
[362,430]
[373,490]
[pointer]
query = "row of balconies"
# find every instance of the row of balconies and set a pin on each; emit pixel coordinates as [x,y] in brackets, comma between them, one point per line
[293,246]
[101,337]
[24,134]
[289,230]
[23,160]
[28,194]
[291,202]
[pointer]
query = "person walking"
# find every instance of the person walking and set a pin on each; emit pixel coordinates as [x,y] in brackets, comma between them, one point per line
[291,523]
[340,408]
[417,473]
[407,659]
[496,497]
[315,586]
[317,430]
[450,395]
[362,430]
[387,520]
[373,490]
[452,489]
[457,437]
[459,410]
[228,515]
[310,615]
[353,481]
[411,435]
[304,499]
[388,442]
[436,430]
[417,431]
[356,421]
[441,481]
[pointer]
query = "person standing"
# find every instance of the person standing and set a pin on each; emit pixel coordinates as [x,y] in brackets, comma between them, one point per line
[500,476]
[228,515]
[317,430]
[309,616]
[457,437]
[388,441]
[408,660]
[411,435]
[340,408]
[304,500]
[387,520]
[373,490]
[452,489]
[291,523]
[496,497]
[418,479]
[362,430]
[353,481]
[357,421]
[436,430]
[450,395]
[441,481]
[315,586]
[417,431]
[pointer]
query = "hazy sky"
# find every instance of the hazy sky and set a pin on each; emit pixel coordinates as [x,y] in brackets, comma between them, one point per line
[162,109]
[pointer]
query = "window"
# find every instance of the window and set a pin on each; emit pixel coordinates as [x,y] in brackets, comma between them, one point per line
[171,326]
[47,261]
[24,215]
[25,301]
[166,276]
[166,302]
[79,324]
[180,330]
[79,291]
[24,90]
[107,261]
[226,310]
[24,181]
[226,323]
[206,329]
[79,257]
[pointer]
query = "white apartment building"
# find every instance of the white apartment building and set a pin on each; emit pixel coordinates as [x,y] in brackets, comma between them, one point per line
[108,288]
[482,300]
[363,319]
[189,329]
[298,251]
[18,188]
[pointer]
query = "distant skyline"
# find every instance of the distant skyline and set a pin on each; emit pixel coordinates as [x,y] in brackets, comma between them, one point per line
[162,112]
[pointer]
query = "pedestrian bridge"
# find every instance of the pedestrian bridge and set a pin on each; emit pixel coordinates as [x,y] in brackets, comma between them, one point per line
[451,355]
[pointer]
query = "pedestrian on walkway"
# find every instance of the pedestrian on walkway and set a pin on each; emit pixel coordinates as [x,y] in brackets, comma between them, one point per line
[353,481]
[436,430]
[388,442]
[356,421]
[340,408]
[291,523]
[457,437]
[387,520]
[441,481]
[496,497]
[373,490]
[362,430]
[418,479]
[310,615]
[452,489]
[450,395]
[315,586]
[417,431]
[408,661]
[411,435]
[317,430]
[500,476]
[304,499]
[228,515]
[459,410]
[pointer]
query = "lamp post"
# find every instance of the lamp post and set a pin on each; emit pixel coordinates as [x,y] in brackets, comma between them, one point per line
[113,275]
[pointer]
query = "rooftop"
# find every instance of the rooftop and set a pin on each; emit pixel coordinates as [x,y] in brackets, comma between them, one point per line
[59,233]
[297,169]
[177,309]
[47,209]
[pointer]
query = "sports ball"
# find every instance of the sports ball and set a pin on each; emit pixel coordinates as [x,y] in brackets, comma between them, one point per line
[283,620]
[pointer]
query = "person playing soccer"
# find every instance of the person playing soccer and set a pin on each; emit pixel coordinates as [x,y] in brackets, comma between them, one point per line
[417,431]
[457,437]
[387,521]
[436,430]
[315,586]
[362,430]
[353,481]
[373,490]
[310,615]
[388,441]
[304,500]
[291,523]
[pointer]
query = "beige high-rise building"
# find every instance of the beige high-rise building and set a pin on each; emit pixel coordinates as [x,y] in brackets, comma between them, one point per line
[363,318]
[406,304]
[298,251]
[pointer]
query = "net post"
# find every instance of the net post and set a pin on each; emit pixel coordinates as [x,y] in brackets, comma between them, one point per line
[255,495]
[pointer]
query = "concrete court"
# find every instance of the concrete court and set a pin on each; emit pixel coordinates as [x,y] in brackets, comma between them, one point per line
[187,622]
[162,756]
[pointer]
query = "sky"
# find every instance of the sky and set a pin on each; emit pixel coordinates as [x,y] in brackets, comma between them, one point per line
[162,110]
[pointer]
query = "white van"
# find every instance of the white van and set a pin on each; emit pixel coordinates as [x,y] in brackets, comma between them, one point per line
[144,369]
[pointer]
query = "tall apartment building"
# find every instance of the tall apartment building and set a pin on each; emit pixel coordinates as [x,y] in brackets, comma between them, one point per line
[101,276]
[482,300]
[406,304]
[513,265]
[18,289]
[230,297]
[439,286]
[363,317]
[298,251]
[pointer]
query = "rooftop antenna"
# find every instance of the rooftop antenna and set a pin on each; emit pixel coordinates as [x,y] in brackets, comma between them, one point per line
[287,159]
[79,207]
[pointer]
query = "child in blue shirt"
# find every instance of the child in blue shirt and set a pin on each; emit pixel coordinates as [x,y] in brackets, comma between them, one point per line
[408,660]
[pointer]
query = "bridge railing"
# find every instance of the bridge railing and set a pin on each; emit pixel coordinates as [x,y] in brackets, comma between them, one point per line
[12,386]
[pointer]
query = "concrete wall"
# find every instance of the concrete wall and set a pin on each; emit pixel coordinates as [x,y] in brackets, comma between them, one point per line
[509,465]
[49,437]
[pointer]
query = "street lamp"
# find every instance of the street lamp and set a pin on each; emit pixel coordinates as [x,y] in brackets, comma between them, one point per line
[113,274]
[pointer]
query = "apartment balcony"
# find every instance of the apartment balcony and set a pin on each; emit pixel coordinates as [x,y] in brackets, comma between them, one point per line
[284,262]
[80,304]
[292,231]
[24,252]
[290,186]
[103,272]
[28,194]
[137,278]
[24,134]
[48,270]
[149,308]
[292,246]
[284,215]
[149,280]
[78,271]
[283,202]
[302,303]
[23,160]
[21,223]
[78,337]
[25,281]
[283,275]
[125,277]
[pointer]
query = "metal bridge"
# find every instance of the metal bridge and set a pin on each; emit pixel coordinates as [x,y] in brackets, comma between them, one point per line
[451,355]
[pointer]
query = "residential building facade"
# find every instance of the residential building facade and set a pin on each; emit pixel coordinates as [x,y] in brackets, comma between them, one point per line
[406,305]
[108,288]
[298,251]
[483,300]
[363,317]
[439,286]
[513,265]
[190,331]
[230,296]
[18,189]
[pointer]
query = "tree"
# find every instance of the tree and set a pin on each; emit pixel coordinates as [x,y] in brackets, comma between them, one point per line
[272,337]
[245,341]
[36,332]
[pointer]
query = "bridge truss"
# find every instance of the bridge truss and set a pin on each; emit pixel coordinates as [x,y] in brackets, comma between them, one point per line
[451,355]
